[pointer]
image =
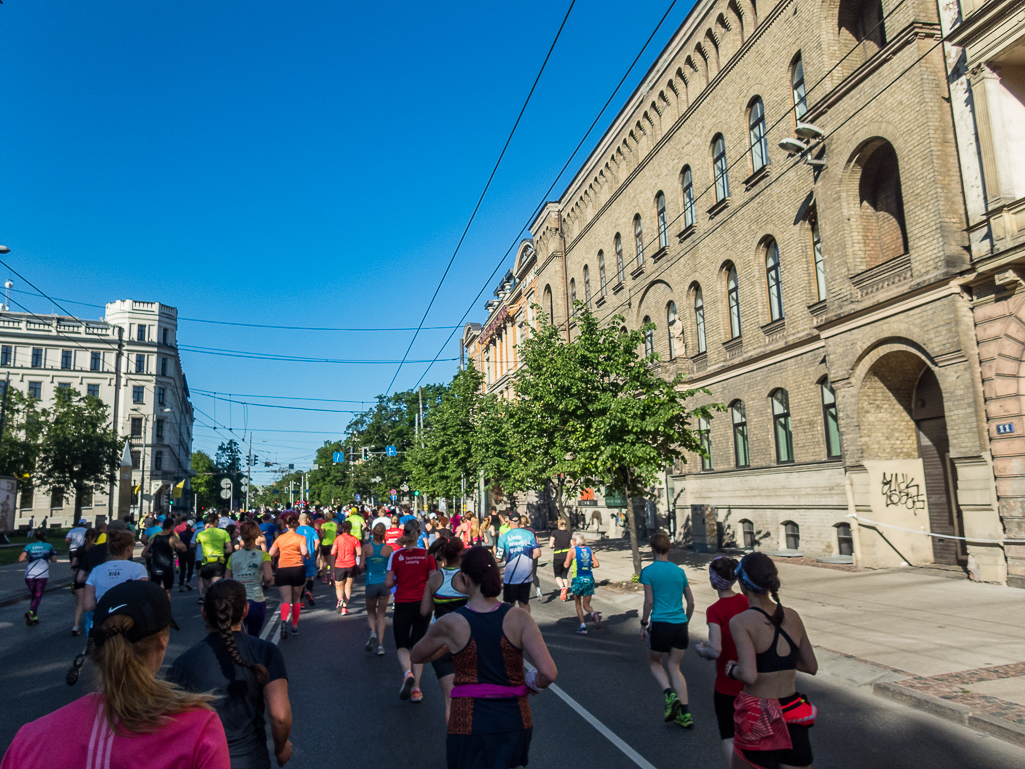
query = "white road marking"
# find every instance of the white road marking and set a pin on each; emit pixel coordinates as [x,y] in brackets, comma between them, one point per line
[603,730]
[271,625]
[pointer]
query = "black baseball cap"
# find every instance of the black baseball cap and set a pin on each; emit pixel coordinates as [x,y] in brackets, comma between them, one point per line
[145,602]
[514,516]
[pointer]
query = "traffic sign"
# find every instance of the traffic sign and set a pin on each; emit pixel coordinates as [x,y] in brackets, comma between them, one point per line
[225,493]
[393,492]
[358,497]
[244,483]
[338,457]
[390,451]
[225,483]
[404,487]
[394,497]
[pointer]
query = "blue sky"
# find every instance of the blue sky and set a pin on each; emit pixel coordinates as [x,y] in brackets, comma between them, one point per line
[306,164]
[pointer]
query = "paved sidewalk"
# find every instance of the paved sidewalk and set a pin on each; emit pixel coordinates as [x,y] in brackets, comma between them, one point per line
[948,646]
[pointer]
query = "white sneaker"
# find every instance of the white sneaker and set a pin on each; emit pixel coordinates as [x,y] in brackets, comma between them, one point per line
[370,642]
[380,650]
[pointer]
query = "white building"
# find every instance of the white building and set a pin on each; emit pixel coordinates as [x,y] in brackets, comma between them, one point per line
[43,352]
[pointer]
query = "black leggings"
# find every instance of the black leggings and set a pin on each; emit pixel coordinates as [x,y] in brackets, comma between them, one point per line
[186,560]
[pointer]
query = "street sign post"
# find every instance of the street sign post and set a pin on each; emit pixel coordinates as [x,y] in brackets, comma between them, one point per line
[394,497]
[226,493]
[225,483]
[393,492]
[390,451]
[338,457]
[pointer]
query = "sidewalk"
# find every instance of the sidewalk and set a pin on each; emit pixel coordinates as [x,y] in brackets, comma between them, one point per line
[948,646]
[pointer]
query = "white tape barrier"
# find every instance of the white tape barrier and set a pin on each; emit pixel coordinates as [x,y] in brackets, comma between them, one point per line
[859,519]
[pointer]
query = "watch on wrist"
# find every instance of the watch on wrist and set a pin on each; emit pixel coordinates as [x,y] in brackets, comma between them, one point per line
[644,623]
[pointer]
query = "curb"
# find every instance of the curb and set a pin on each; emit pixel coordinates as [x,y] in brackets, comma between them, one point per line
[998,727]
[61,585]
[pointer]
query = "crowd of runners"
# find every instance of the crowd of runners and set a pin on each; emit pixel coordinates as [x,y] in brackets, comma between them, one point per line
[459,589]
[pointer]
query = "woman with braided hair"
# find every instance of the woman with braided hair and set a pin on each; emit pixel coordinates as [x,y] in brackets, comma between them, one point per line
[247,676]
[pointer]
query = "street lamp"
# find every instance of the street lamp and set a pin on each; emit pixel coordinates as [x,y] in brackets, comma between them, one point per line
[4,250]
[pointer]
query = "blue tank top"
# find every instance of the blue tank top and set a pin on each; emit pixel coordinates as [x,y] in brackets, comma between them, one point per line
[583,559]
[376,565]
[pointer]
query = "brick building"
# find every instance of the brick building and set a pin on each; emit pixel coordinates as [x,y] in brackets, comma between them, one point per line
[781,197]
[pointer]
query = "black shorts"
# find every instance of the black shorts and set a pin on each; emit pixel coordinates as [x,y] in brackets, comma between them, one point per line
[725,705]
[408,624]
[325,550]
[165,578]
[517,593]
[346,572]
[213,570]
[559,565]
[799,754]
[290,576]
[664,636]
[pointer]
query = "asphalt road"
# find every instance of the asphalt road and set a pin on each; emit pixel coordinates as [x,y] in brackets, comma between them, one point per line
[606,713]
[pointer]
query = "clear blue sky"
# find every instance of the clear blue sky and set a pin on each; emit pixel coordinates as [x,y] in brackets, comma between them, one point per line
[308,163]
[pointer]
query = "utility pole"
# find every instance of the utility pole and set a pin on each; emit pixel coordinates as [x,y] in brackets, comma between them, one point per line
[249,468]
[3,409]
[117,400]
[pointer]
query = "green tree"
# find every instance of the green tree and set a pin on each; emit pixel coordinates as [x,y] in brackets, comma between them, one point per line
[79,453]
[228,463]
[22,429]
[204,480]
[600,413]
[492,439]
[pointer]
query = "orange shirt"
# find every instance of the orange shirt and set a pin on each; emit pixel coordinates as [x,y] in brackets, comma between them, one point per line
[345,548]
[288,546]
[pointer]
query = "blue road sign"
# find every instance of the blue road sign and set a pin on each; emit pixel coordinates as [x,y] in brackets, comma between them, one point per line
[358,497]
[338,457]
[390,451]
[393,497]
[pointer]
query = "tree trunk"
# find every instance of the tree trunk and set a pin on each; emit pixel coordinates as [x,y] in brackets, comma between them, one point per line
[631,522]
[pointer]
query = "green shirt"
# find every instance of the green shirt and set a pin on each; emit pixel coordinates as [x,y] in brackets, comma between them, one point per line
[668,583]
[328,532]
[213,541]
[357,526]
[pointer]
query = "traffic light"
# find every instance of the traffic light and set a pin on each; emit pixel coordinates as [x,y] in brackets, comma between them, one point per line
[366,453]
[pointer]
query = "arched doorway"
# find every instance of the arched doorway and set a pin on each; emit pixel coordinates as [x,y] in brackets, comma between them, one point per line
[902,417]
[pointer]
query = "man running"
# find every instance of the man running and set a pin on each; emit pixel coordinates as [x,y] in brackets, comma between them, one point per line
[216,544]
[358,524]
[665,587]
[328,532]
[519,548]
[310,560]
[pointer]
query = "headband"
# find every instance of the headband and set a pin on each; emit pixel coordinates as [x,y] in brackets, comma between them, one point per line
[747,582]
[718,581]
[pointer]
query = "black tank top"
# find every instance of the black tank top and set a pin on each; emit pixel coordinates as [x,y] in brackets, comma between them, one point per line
[562,539]
[488,657]
[162,554]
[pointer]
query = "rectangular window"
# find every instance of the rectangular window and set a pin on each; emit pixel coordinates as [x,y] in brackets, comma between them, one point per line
[163,367]
[136,427]
[705,436]
[832,424]
[92,390]
[35,390]
[95,361]
[160,396]
[5,355]
[140,364]
[37,357]
[27,496]
[164,336]
[64,385]
[160,429]
[138,394]
[66,356]
[56,499]
[749,534]
[136,459]
[87,499]
[820,262]
[158,460]
[140,333]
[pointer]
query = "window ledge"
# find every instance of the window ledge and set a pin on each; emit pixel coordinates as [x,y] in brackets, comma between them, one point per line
[618,287]
[756,177]
[819,308]
[734,347]
[685,233]
[719,207]
[775,329]
[700,361]
[637,272]
[599,301]
[659,254]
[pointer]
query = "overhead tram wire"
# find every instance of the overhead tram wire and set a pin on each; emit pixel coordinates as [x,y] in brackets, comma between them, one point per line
[558,176]
[286,397]
[279,406]
[480,200]
[285,358]
[741,158]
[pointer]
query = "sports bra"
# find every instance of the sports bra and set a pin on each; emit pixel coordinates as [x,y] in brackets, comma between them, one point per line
[447,592]
[770,661]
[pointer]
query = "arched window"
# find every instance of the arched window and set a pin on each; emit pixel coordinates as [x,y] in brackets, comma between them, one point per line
[639,240]
[699,320]
[687,184]
[620,267]
[549,304]
[748,529]
[816,251]
[573,296]
[663,222]
[587,285]
[733,301]
[882,205]
[756,133]
[649,337]
[793,535]
[797,88]
[741,449]
[773,280]
[863,20]
[601,272]
[844,540]
[829,419]
[705,437]
[720,169]
[671,326]
[781,426]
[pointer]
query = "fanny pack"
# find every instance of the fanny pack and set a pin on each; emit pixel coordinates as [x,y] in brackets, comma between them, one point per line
[799,711]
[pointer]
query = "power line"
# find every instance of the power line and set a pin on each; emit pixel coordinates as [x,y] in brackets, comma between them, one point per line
[285,358]
[480,200]
[284,397]
[279,406]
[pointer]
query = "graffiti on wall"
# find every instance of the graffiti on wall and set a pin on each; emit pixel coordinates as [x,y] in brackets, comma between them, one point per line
[902,490]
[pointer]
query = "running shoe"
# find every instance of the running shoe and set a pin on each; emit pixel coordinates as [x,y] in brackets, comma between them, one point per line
[74,630]
[28,618]
[309,598]
[673,707]
[562,593]
[338,606]
[344,611]
[582,630]
[685,719]
[538,593]
[407,686]
[295,630]
[416,696]
[201,600]
[371,642]
[181,588]
[284,630]
[188,586]
[35,618]
[380,650]
[596,616]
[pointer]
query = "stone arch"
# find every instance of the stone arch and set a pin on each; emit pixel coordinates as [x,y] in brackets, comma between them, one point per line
[685,92]
[729,38]
[734,14]
[651,296]
[874,200]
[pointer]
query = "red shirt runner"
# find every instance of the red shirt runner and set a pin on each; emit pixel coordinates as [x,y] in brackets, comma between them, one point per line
[720,613]
[412,567]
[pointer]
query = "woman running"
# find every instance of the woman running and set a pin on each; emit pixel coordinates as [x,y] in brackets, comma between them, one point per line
[80,576]
[490,723]
[771,718]
[159,554]
[134,719]
[37,557]
[442,598]
[245,673]
[250,566]
[290,579]
[343,553]
[560,542]
[375,555]
[720,646]
[394,532]
[582,586]
[408,570]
